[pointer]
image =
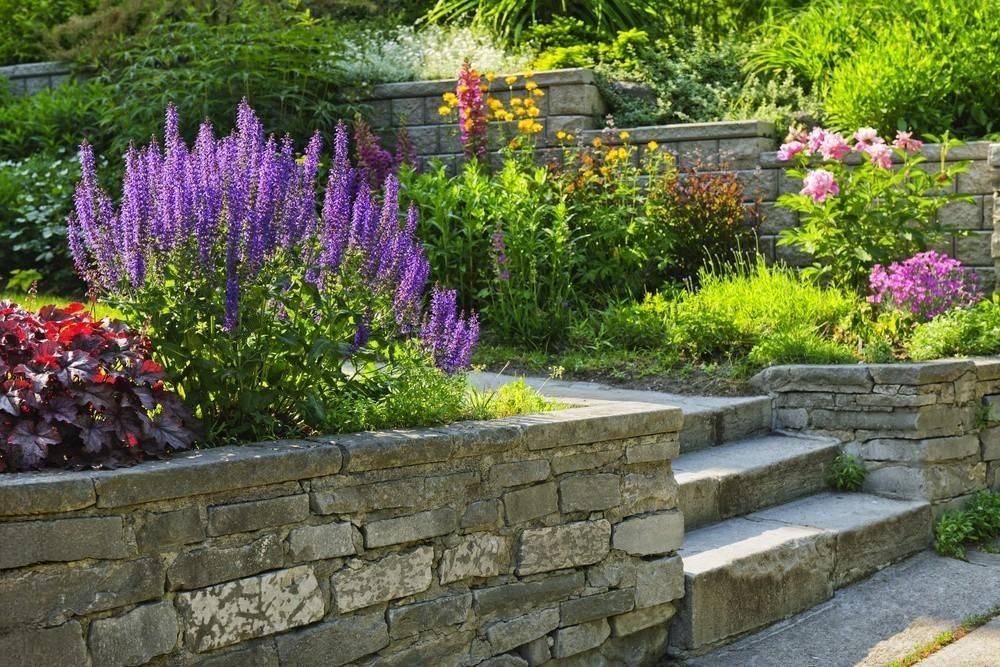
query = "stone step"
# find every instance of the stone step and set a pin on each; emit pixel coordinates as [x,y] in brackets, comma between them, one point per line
[741,477]
[745,573]
[708,420]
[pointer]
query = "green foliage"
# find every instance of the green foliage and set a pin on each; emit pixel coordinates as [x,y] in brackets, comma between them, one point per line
[508,400]
[979,522]
[973,331]
[847,472]
[928,64]
[802,345]
[53,120]
[36,195]
[880,215]
[25,25]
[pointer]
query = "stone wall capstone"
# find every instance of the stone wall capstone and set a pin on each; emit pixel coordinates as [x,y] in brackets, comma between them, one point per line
[31,78]
[511,542]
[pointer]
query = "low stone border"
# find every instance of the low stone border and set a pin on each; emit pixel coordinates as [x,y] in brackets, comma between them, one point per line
[494,543]
[925,430]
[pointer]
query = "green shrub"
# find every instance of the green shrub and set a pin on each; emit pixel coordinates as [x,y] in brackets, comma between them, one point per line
[979,522]
[973,331]
[53,120]
[801,345]
[847,472]
[25,26]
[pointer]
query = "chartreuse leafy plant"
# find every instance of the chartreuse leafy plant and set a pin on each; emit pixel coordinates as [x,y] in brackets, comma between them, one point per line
[974,331]
[847,472]
[855,217]
[271,319]
[978,523]
[75,392]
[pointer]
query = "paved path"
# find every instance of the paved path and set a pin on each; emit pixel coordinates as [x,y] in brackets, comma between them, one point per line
[880,619]
[980,648]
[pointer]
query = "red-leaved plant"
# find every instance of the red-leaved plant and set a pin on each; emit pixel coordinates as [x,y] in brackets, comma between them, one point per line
[75,392]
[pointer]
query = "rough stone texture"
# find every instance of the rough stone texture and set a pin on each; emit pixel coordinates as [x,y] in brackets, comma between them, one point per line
[335,642]
[507,635]
[538,651]
[530,503]
[202,567]
[171,529]
[413,528]
[46,493]
[519,472]
[641,619]
[579,638]
[257,514]
[593,607]
[589,493]
[478,555]
[658,581]
[481,514]
[329,540]
[558,547]
[60,646]
[650,535]
[511,599]
[134,638]
[421,616]
[29,542]
[228,613]
[362,584]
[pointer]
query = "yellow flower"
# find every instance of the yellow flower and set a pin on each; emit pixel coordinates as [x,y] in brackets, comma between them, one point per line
[450,98]
[444,110]
[560,135]
[538,92]
[528,102]
[462,88]
[533,112]
[622,154]
[516,101]
[468,124]
[597,143]
[510,80]
[652,146]
[605,171]
[536,128]
[571,187]
[494,103]
[569,137]
[587,173]
[531,85]
[524,125]
[623,135]
[490,76]
[529,74]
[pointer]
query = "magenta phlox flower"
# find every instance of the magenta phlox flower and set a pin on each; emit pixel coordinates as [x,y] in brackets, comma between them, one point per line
[926,285]
[820,184]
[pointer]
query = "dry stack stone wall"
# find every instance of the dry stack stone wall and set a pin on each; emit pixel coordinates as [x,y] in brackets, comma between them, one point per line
[31,78]
[513,542]
[925,431]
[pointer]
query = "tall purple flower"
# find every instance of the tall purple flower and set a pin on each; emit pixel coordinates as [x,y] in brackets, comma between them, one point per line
[925,285]
[446,334]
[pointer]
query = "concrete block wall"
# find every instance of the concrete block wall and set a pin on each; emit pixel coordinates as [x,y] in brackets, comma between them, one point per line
[512,542]
[30,78]
[926,431]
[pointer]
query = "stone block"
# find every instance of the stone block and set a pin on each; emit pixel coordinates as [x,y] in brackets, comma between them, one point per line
[162,530]
[743,152]
[568,545]
[481,514]
[530,503]
[419,617]
[51,596]
[134,638]
[328,540]
[990,438]
[648,492]
[537,651]
[517,473]
[963,215]
[46,493]
[759,184]
[212,564]
[27,542]
[651,534]
[479,555]
[613,572]
[578,100]
[522,596]
[974,249]
[408,111]
[383,450]
[929,372]
[978,180]
[257,654]
[593,607]
[380,113]
[932,450]
[425,138]
[580,638]
[838,379]
[658,581]
[508,635]
[640,619]
[61,646]
[335,642]
[257,514]
[775,219]
[413,528]
[589,493]
[506,660]
[247,608]
[584,461]
[363,583]
[572,124]
[448,650]
[932,483]
[653,452]
[368,497]
[992,408]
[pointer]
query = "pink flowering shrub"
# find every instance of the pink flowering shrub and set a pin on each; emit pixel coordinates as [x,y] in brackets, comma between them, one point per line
[926,285]
[856,208]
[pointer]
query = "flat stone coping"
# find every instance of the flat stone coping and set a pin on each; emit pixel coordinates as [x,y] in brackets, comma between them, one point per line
[25,70]
[553,77]
[234,467]
[806,377]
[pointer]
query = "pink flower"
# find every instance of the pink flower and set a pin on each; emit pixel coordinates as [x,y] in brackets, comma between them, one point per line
[905,141]
[868,135]
[790,150]
[816,138]
[880,154]
[834,146]
[819,184]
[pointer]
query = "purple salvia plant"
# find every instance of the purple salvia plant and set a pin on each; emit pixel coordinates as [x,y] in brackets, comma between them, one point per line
[237,203]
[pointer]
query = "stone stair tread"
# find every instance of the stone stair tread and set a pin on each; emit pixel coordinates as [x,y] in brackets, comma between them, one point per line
[852,510]
[734,479]
[722,543]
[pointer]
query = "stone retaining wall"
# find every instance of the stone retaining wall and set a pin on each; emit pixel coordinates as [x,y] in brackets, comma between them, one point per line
[508,543]
[925,431]
[30,78]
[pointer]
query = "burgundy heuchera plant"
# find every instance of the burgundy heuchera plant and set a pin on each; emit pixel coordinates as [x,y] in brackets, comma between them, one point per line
[75,392]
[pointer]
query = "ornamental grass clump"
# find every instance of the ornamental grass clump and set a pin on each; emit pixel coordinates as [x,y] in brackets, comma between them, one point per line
[925,286]
[80,393]
[274,315]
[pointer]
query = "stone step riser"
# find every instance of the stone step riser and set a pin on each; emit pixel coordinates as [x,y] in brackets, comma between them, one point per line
[748,573]
[706,500]
[704,428]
